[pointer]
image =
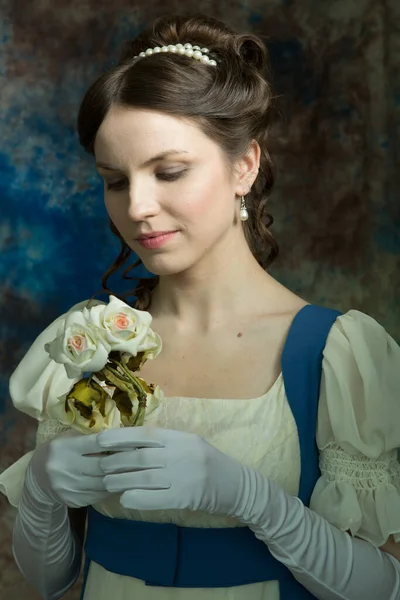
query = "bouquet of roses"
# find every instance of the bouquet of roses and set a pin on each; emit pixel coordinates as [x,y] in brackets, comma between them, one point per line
[105,345]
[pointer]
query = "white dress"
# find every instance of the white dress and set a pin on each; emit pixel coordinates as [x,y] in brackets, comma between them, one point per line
[358,433]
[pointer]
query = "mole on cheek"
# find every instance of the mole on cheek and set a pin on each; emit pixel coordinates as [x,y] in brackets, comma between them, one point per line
[239,334]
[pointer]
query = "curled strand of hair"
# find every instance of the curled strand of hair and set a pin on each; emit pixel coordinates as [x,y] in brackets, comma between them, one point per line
[252,51]
[142,291]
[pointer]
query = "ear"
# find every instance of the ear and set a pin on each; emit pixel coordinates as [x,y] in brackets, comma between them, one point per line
[246,169]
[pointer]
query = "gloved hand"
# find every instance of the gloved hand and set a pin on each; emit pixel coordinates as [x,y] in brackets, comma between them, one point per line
[187,471]
[61,472]
[59,475]
[161,469]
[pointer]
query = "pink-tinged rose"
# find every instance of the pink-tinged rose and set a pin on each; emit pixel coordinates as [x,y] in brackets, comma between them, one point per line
[77,342]
[121,321]
[124,327]
[79,346]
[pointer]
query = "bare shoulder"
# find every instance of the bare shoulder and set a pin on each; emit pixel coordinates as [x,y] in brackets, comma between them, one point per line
[279,301]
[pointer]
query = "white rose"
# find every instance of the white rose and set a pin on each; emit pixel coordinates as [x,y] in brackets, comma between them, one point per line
[154,399]
[151,348]
[152,345]
[124,327]
[78,346]
[67,413]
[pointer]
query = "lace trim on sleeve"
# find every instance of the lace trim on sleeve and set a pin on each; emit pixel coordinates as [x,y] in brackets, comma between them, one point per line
[363,473]
[358,494]
[48,429]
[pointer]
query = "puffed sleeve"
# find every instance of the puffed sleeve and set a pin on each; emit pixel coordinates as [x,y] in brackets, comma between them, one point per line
[358,430]
[37,382]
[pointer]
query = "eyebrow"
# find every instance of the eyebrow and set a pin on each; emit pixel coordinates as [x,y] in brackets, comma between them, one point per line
[148,163]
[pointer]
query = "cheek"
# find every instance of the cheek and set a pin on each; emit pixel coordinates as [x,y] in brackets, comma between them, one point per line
[195,208]
[208,200]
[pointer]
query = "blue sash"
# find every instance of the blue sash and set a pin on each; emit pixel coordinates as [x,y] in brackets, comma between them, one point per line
[164,554]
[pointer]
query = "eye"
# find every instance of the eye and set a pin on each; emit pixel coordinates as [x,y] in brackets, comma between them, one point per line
[116,185]
[171,176]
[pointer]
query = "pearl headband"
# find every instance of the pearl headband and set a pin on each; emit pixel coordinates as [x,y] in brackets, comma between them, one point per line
[200,54]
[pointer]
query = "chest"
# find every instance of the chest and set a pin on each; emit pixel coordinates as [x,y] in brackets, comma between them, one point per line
[241,360]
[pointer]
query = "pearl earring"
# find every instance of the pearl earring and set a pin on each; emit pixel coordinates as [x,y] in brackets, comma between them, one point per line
[244,215]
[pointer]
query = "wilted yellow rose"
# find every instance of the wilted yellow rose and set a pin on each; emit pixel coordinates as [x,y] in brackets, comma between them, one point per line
[129,408]
[87,408]
[125,407]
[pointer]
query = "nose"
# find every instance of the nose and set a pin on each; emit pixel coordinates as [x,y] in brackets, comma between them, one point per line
[143,203]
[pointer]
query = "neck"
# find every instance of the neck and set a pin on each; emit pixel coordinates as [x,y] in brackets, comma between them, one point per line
[206,296]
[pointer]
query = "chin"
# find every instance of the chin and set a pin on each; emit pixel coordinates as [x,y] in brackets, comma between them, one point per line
[162,265]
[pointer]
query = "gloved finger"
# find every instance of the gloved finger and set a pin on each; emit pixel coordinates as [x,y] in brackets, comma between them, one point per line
[131,437]
[90,466]
[152,479]
[134,460]
[91,484]
[148,499]
[87,444]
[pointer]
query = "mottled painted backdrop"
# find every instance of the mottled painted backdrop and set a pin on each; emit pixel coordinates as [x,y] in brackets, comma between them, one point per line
[336,67]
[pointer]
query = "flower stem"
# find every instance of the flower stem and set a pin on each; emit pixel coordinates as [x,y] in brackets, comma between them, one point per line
[126,384]
[118,373]
[114,377]
[140,414]
[133,379]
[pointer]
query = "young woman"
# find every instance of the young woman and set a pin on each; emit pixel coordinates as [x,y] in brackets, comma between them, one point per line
[220,494]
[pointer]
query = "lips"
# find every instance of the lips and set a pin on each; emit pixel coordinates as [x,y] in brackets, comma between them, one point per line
[153,234]
[156,239]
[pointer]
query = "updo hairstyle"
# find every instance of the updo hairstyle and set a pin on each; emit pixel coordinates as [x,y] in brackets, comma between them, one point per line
[229,102]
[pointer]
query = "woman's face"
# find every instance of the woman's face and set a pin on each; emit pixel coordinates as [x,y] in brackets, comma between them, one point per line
[167,189]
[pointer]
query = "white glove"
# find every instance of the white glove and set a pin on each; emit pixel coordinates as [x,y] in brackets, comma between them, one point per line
[64,474]
[328,562]
[59,475]
[162,469]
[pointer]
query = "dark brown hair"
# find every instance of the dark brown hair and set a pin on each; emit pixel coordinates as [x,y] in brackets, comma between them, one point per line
[229,102]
